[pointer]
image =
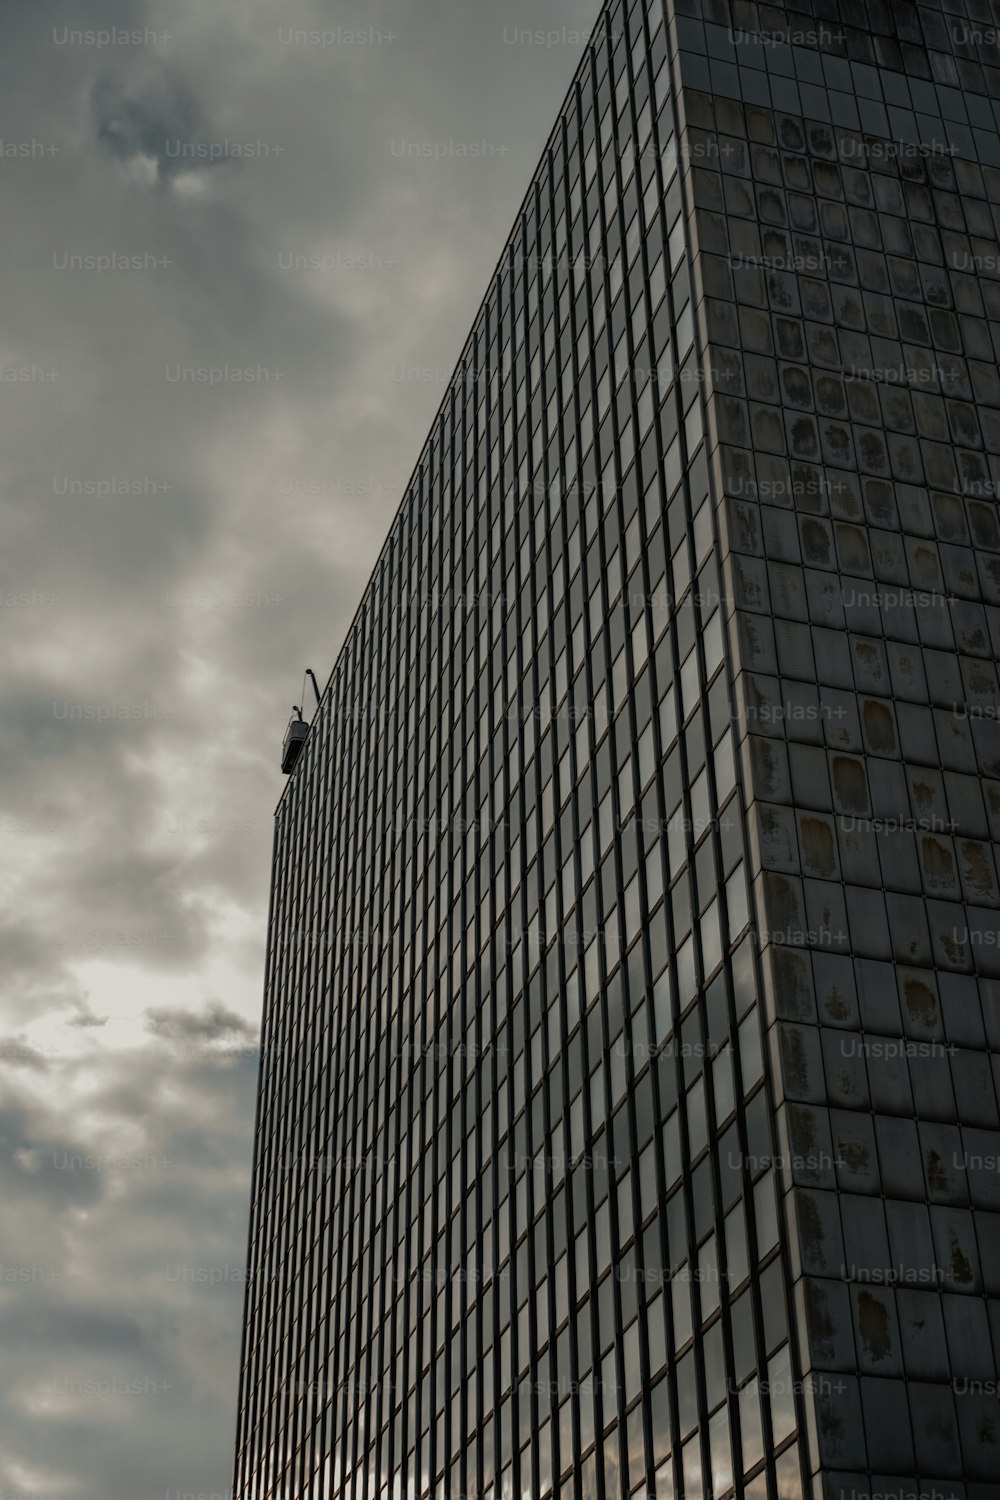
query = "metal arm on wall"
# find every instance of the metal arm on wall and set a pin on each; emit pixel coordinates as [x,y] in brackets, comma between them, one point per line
[312,678]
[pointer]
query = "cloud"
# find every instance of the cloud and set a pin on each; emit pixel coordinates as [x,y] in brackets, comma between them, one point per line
[213,1024]
[149,114]
[16,1052]
[199,470]
[85,1018]
[122,1277]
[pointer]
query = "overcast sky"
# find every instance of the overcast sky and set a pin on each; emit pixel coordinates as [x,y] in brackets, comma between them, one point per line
[236,187]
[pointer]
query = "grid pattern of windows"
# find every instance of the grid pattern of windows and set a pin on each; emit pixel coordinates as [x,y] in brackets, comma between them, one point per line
[630,1097]
[515,1222]
[846,177]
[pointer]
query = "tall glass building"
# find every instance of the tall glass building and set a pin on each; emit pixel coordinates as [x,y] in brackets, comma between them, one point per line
[628,1114]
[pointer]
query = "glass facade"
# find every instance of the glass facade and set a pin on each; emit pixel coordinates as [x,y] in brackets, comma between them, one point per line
[633,967]
[845,171]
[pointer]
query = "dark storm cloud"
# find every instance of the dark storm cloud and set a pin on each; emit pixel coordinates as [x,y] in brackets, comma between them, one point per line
[179,541]
[213,1023]
[14,1052]
[150,115]
[86,1019]
[34,1147]
[120,1297]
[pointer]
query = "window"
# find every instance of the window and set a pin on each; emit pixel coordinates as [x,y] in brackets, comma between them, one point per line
[781,1390]
[722,1458]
